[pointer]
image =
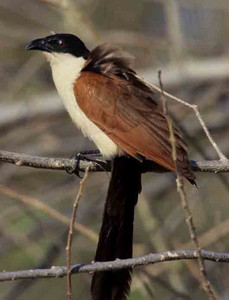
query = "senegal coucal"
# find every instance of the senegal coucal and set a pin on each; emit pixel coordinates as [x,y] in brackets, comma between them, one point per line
[120,113]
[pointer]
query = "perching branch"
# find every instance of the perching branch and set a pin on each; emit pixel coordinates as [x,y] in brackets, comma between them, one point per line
[61,271]
[51,163]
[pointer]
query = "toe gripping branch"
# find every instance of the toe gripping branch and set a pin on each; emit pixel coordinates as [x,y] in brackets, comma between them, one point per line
[90,155]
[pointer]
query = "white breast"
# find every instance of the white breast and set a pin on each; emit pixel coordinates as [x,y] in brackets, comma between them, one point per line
[65,70]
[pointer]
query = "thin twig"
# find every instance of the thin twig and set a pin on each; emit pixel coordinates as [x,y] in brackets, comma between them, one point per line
[48,210]
[192,230]
[60,164]
[61,271]
[197,113]
[188,215]
[70,234]
[208,238]
[163,99]
[212,236]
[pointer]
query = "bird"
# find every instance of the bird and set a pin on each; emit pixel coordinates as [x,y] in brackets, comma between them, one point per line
[122,115]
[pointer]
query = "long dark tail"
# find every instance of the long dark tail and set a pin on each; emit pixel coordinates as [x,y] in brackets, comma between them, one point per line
[116,235]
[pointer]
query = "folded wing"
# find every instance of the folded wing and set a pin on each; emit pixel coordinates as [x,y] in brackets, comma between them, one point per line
[128,114]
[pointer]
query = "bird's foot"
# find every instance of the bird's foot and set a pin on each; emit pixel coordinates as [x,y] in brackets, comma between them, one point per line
[89,155]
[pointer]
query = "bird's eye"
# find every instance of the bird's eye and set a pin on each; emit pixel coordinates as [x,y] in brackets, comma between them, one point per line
[61,43]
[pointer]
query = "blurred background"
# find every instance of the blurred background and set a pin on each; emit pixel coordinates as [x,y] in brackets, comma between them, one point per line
[189,41]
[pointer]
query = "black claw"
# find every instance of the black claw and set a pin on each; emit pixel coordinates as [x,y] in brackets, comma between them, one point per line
[75,168]
[86,155]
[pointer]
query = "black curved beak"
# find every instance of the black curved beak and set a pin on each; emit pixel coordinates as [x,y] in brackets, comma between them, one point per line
[39,44]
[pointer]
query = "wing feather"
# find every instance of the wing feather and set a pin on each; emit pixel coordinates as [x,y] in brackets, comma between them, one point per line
[131,118]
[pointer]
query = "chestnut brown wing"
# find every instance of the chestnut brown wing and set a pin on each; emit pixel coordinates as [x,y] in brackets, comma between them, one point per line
[131,118]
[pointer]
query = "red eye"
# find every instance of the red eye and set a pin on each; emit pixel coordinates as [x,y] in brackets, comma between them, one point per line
[61,43]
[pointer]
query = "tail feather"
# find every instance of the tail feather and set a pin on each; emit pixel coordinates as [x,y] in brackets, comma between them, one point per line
[116,235]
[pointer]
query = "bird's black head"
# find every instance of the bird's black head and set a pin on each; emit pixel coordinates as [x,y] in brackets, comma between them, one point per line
[60,43]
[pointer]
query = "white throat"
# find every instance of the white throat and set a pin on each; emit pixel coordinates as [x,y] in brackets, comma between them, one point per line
[66,69]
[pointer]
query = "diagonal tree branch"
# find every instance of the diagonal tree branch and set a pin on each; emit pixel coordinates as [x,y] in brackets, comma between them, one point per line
[70,234]
[39,205]
[194,107]
[206,285]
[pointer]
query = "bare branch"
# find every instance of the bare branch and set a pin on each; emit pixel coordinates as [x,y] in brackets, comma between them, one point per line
[28,200]
[207,287]
[197,113]
[61,271]
[70,234]
[51,163]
